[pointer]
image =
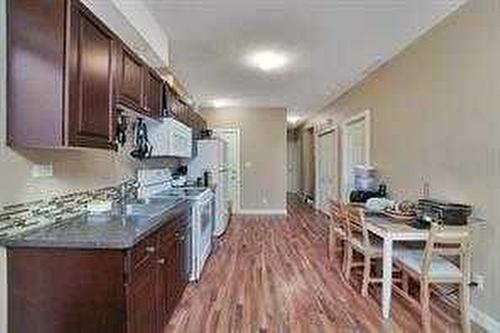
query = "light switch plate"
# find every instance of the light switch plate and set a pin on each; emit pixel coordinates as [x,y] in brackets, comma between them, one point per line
[42,171]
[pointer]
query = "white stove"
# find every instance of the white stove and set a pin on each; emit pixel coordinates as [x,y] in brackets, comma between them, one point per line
[157,183]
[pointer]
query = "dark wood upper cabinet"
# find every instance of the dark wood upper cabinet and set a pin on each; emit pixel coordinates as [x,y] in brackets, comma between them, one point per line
[60,75]
[35,72]
[153,94]
[91,80]
[177,108]
[130,76]
[66,73]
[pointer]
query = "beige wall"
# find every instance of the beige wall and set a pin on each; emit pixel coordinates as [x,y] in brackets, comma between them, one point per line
[436,118]
[263,145]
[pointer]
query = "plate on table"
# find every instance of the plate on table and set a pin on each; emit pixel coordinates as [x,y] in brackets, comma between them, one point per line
[398,216]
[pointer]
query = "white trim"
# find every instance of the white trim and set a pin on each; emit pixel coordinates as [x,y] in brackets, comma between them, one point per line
[237,205]
[366,116]
[262,212]
[484,320]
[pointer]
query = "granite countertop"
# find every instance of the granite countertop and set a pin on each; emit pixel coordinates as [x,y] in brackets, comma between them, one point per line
[117,229]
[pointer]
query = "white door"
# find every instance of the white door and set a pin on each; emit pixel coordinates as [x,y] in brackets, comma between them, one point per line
[356,148]
[231,166]
[327,180]
[293,166]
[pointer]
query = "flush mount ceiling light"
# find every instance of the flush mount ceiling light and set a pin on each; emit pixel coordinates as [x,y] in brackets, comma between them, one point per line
[293,119]
[222,103]
[267,60]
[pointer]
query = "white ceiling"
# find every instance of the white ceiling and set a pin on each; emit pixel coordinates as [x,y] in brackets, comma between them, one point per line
[332,43]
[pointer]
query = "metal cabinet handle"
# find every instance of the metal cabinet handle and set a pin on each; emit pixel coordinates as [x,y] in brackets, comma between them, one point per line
[150,249]
[161,261]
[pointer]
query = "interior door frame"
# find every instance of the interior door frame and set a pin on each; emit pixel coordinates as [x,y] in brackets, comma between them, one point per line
[320,132]
[236,130]
[366,116]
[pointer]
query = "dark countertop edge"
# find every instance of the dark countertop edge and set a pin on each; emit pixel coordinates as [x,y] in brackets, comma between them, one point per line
[126,244]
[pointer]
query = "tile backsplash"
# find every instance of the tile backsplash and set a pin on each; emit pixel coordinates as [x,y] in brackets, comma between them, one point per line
[24,216]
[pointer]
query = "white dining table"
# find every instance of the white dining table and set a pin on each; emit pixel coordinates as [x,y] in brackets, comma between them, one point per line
[391,231]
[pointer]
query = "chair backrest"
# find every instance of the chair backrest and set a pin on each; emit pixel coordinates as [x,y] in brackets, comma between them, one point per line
[338,214]
[448,241]
[337,210]
[357,225]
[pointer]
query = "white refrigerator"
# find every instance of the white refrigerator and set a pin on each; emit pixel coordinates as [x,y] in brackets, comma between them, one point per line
[210,157]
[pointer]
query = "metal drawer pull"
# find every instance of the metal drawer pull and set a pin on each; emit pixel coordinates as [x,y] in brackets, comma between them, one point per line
[150,249]
[161,261]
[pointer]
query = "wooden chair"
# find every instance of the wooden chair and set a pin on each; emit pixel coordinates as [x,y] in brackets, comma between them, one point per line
[359,240]
[337,230]
[430,265]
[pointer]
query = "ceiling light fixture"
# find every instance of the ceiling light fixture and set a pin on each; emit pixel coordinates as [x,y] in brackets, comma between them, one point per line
[267,60]
[222,103]
[293,119]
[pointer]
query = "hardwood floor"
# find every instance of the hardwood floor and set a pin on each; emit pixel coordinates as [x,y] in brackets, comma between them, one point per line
[271,274]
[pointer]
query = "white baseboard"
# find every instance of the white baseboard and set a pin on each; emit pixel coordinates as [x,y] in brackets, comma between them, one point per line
[262,212]
[484,320]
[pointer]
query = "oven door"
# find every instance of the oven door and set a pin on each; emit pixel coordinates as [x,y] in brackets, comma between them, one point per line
[206,219]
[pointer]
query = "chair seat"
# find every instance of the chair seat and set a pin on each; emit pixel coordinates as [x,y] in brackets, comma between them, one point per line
[441,268]
[374,249]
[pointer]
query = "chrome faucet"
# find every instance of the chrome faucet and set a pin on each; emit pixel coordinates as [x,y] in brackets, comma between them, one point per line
[128,190]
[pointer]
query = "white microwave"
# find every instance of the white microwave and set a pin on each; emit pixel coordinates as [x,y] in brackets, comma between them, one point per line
[170,137]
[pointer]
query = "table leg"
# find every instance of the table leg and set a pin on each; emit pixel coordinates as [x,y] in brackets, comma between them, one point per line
[387,278]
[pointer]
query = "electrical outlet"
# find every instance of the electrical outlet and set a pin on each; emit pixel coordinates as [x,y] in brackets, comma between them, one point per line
[42,171]
[478,281]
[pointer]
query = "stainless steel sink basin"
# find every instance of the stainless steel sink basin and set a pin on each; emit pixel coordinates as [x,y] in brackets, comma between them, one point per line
[143,208]
[139,209]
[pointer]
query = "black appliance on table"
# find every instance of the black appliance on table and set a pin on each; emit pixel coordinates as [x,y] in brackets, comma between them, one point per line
[449,213]
[360,196]
[441,211]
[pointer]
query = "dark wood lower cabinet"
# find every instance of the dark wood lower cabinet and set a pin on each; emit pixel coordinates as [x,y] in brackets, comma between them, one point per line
[143,303]
[167,277]
[92,290]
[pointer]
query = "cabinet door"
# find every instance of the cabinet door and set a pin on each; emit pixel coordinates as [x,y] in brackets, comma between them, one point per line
[153,94]
[35,68]
[142,302]
[168,267]
[131,79]
[170,101]
[92,55]
[183,251]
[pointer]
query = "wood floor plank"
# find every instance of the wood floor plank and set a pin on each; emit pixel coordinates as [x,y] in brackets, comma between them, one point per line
[271,274]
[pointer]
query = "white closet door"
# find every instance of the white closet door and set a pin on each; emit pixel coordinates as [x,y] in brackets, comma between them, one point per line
[355,151]
[327,169]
